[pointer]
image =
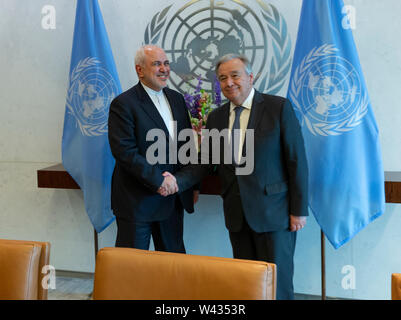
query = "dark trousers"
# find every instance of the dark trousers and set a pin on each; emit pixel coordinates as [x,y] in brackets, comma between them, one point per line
[167,235]
[275,247]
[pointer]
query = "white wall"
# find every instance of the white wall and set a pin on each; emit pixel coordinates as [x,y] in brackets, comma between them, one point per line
[34,68]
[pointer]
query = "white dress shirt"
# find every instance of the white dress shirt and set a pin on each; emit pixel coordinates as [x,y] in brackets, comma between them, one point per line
[160,101]
[243,120]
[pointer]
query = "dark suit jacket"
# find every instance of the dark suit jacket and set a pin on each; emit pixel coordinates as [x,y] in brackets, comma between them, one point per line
[135,181]
[278,185]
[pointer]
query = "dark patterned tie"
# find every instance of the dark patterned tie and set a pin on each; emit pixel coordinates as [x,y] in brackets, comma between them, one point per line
[236,125]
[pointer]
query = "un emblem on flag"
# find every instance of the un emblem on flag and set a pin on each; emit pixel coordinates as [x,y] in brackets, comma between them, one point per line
[91,91]
[326,89]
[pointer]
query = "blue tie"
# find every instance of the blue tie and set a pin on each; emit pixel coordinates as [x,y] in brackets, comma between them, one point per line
[236,125]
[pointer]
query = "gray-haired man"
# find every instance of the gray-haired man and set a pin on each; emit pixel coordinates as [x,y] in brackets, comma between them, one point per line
[264,208]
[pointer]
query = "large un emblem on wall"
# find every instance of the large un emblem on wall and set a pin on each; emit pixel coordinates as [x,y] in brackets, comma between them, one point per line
[203,30]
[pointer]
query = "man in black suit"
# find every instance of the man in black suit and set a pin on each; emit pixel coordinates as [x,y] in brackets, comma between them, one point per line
[264,208]
[140,211]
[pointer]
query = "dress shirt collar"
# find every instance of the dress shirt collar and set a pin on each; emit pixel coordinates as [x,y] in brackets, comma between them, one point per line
[152,92]
[247,103]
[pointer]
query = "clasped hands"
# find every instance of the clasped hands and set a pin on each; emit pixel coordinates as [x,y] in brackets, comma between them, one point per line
[169,185]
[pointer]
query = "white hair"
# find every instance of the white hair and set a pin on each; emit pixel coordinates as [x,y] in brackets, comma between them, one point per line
[231,56]
[141,55]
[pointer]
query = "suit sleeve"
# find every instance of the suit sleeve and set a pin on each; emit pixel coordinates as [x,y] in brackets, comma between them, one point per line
[124,147]
[190,176]
[295,161]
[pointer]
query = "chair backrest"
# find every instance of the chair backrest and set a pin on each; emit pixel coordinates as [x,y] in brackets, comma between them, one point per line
[132,274]
[396,286]
[20,271]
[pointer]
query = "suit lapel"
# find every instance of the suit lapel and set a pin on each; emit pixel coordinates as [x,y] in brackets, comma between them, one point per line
[225,118]
[256,111]
[148,106]
[255,116]
[221,123]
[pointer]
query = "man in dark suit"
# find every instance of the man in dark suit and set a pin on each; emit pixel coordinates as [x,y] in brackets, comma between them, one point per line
[140,211]
[262,209]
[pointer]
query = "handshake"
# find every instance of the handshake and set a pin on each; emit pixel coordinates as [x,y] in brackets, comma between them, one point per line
[169,185]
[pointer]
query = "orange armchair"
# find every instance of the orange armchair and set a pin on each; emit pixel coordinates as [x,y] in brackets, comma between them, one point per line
[132,274]
[396,286]
[21,263]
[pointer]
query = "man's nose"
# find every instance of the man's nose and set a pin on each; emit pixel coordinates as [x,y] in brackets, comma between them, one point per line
[164,68]
[229,82]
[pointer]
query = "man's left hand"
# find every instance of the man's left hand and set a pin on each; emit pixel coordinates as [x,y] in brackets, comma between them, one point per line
[297,222]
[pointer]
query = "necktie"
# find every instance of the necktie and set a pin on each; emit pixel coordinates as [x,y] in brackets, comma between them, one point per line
[236,142]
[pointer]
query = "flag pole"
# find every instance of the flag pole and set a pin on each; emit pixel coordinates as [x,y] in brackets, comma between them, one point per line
[323,264]
[96,242]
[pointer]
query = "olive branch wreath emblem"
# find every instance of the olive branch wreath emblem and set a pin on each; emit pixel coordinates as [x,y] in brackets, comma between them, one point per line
[276,24]
[86,129]
[321,128]
[281,61]
[154,28]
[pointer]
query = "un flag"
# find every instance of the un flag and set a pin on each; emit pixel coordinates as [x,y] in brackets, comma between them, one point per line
[93,84]
[328,92]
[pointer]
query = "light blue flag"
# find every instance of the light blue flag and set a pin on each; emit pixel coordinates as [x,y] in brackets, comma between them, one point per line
[328,92]
[93,84]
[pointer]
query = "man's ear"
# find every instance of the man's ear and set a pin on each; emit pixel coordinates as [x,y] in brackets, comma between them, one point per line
[139,71]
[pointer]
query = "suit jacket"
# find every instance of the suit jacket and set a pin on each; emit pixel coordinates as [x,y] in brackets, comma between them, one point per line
[278,185]
[135,182]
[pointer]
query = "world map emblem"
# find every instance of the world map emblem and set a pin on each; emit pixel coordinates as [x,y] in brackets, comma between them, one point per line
[202,31]
[326,91]
[91,91]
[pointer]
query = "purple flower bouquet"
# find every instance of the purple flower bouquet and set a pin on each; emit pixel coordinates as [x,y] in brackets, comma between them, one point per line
[200,104]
